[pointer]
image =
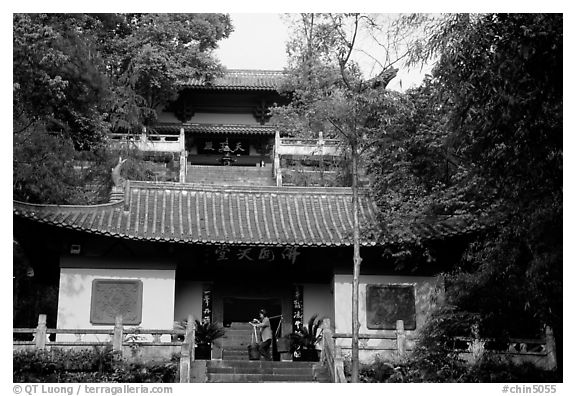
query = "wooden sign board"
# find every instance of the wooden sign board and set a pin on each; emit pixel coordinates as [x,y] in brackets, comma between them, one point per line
[111,297]
[385,304]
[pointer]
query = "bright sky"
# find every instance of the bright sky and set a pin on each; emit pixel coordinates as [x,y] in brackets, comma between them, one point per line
[259,42]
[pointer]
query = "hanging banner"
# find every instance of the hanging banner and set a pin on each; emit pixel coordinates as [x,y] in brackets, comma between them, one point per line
[207,302]
[297,307]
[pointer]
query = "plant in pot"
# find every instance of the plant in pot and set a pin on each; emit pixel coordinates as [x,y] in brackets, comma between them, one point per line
[205,335]
[305,340]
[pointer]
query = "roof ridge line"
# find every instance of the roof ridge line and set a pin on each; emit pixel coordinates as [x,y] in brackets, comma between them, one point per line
[67,206]
[250,189]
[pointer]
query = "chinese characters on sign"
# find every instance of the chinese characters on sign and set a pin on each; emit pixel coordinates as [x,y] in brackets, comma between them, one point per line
[297,307]
[258,254]
[207,303]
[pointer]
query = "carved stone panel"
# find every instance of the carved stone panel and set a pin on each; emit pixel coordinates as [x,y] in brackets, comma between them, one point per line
[385,304]
[111,297]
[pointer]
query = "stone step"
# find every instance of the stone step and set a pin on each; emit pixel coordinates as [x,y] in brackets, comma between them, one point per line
[235,378]
[235,356]
[267,370]
[239,326]
[218,175]
[260,364]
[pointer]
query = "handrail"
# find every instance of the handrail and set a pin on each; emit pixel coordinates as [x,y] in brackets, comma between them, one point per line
[142,137]
[117,340]
[331,354]
[127,330]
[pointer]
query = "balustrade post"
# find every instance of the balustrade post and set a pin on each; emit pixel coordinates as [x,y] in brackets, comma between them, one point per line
[400,338]
[551,349]
[338,365]
[190,336]
[277,170]
[326,337]
[182,173]
[185,362]
[477,344]
[118,337]
[40,336]
[187,351]
[181,140]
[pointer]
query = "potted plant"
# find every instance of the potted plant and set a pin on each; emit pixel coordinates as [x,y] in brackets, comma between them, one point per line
[305,340]
[205,335]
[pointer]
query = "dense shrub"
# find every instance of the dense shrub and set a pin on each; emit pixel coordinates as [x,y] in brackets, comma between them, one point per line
[96,365]
[419,369]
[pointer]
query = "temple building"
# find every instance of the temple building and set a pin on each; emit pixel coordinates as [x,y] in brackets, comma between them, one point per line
[231,230]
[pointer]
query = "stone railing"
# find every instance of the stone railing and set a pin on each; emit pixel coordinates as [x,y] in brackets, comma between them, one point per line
[123,340]
[388,345]
[300,146]
[149,142]
[331,354]
[541,352]
[392,346]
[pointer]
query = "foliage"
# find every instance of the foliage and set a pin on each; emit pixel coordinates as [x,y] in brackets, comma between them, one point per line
[96,365]
[488,369]
[485,142]
[500,78]
[307,337]
[58,77]
[331,96]
[164,50]
[79,76]
[208,332]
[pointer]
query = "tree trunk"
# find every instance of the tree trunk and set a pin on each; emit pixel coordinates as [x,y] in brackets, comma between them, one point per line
[357,261]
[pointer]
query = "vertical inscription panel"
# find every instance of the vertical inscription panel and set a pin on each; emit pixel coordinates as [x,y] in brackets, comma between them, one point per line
[111,297]
[385,304]
[297,307]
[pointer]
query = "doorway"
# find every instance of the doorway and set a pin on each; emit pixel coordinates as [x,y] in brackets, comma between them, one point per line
[245,309]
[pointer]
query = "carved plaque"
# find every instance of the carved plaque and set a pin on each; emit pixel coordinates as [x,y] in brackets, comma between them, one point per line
[385,304]
[111,297]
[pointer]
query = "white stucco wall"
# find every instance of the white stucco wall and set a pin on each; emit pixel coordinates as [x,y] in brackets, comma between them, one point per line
[426,289]
[74,299]
[318,298]
[188,300]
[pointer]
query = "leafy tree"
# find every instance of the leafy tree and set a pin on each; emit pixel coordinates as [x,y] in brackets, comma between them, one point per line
[58,77]
[77,76]
[330,95]
[159,53]
[480,140]
[487,143]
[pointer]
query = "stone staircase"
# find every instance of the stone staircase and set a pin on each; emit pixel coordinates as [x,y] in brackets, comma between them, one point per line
[230,175]
[263,371]
[236,340]
[235,365]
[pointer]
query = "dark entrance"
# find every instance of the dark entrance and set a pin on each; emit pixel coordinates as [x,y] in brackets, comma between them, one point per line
[244,309]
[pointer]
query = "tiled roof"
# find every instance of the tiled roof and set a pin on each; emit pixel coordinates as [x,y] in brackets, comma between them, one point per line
[206,214]
[241,79]
[186,213]
[240,129]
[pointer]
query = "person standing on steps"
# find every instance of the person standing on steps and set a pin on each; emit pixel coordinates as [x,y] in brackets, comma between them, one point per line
[266,334]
